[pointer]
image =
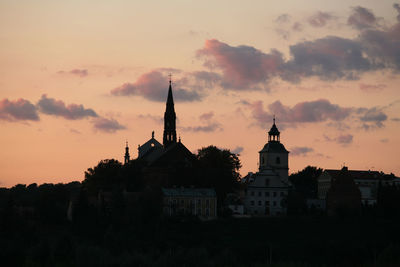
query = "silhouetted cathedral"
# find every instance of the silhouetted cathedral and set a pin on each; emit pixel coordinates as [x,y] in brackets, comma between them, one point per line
[164,160]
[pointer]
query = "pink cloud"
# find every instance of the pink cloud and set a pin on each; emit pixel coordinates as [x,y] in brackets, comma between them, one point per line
[51,106]
[153,86]
[343,139]
[362,18]
[309,111]
[300,151]
[297,26]
[107,125]
[372,87]
[304,112]
[321,110]
[77,72]
[18,110]
[206,116]
[210,127]
[243,66]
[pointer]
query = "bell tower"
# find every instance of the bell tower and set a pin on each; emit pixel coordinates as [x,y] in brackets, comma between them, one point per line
[274,154]
[169,119]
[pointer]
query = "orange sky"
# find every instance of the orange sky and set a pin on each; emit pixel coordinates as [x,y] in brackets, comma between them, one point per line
[79,79]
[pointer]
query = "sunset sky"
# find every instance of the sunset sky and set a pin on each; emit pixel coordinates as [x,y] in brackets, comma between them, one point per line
[79,78]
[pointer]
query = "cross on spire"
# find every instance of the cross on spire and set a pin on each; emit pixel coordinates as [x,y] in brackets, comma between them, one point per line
[170,78]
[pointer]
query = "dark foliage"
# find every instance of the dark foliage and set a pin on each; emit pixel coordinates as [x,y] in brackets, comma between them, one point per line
[305,181]
[389,201]
[218,169]
[105,176]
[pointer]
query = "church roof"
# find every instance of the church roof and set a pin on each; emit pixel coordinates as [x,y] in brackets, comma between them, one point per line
[156,154]
[174,153]
[149,147]
[274,147]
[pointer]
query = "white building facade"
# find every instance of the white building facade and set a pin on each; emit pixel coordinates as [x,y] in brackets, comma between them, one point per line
[267,190]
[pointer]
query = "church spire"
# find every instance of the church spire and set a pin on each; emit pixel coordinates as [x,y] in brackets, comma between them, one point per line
[169,119]
[127,157]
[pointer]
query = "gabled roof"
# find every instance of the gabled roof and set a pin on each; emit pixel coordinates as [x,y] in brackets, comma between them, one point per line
[149,147]
[156,154]
[174,153]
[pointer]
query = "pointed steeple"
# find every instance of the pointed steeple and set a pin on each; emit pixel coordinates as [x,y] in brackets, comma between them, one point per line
[169,119]
[170,98]
[127,156]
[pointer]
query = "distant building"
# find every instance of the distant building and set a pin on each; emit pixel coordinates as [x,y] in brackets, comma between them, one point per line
[366,181]
[343,196]
[267,190]
[200,202]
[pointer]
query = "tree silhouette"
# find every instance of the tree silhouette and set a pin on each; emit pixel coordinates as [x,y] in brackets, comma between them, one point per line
[105,176]
[218,168]
[305,181]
